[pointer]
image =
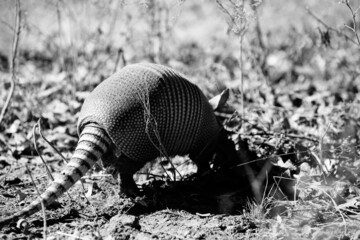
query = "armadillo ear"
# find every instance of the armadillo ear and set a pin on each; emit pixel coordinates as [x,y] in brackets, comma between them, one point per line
[219,101]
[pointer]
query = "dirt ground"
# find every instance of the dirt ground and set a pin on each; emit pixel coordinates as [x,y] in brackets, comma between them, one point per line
[294,117]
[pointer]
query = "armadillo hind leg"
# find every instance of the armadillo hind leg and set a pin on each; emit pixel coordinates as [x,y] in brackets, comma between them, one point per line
[126,168]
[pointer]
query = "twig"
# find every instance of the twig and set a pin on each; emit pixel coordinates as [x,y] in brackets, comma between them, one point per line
[7,25]
[239,20]
[336,206]
[42,203]
[353,15]
[71,236]
[151,127]
[302,137]
[61,42]
[268,157]
[120,55]
[322,147]
[38,152]
[38,124]
[328,27]
[222,8]
[12,58]
[48,142]
[242,80]
[355,12]
[258,31]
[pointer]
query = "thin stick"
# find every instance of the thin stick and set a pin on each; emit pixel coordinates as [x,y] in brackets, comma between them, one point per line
[38,152]
[354,28]
[12,59]
[42,204]
[48,142]
[241,28]
[120,55]
[61,42]
[330,28]
[222,8]
[242,80]
[71,236]
[7,25]
[322,147]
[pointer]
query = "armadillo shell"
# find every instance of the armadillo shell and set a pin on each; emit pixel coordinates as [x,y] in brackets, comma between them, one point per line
[149,109]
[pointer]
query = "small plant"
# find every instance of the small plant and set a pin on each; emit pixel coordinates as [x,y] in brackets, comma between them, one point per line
[239,14]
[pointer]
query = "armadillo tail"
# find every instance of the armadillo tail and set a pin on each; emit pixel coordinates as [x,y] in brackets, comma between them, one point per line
[93,143]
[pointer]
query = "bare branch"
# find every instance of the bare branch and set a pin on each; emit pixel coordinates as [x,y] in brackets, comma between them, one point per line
[7,25]
[350,28]
[48,142]
[328,27]
[223,9]
[355,12]
[353,15]
[38,152]
[120,55]
[12,58]
[238,23]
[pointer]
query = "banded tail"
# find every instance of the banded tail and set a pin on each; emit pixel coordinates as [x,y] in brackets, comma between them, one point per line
[93,143]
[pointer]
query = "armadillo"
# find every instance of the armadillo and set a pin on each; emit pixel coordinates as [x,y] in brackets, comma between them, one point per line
[136,115]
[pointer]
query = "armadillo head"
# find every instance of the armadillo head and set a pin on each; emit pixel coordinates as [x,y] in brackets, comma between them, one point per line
[225,151]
